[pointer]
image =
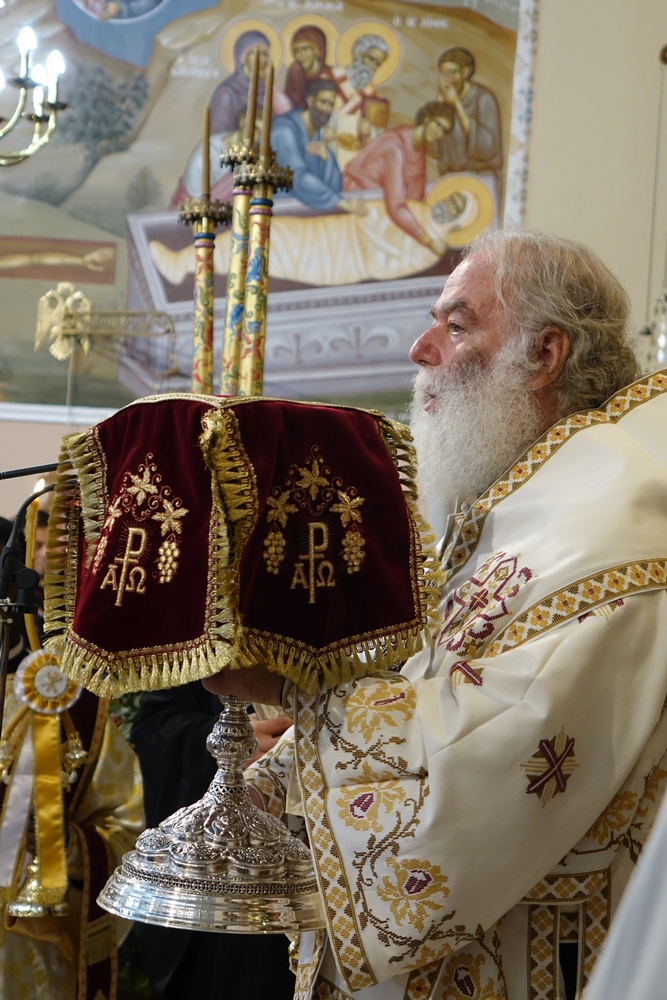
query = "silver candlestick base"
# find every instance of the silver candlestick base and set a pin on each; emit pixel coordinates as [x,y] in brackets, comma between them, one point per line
[220,864]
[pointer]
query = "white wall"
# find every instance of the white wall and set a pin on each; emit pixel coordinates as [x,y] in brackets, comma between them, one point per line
[592,150]
[26,441]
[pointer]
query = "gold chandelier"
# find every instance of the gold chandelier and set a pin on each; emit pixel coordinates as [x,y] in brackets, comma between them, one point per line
[41,82]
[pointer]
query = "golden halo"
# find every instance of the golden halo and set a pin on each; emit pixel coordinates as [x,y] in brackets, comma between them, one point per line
[303,20]
[464,182]
[348,38]
[40,683]
[236,28]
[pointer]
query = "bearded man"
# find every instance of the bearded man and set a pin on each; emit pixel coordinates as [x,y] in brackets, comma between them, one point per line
[482,810]
[298,142]
[474,143]
[361,113]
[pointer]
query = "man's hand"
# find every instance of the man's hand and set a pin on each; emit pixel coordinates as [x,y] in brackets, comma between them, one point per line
[247,684]
[267,732]
[449,94]
[354,205]
[318,148]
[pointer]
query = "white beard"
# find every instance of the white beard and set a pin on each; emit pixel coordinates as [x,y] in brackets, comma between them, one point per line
[483,418]
[359,74]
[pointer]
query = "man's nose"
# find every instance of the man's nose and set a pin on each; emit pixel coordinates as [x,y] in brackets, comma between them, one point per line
[425,351]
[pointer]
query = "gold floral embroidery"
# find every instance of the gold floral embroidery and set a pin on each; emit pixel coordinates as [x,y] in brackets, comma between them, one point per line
[142,498]
[279,508]
[561,888]
[422,980]
[347,508]
[652,789]
[565,603]
[170,517]
[311,480]
[365,804]
[142,487]
[615,818]
[379,706]
[311,489]
[591,591]
[463,978]
[415,892]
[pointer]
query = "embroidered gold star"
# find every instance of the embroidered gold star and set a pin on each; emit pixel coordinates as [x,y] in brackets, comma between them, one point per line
[312,480]
[170,517]
[280,508]
[141,486]
[347,508]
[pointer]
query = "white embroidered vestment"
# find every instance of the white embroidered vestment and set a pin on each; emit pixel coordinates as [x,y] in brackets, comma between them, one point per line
[489,802]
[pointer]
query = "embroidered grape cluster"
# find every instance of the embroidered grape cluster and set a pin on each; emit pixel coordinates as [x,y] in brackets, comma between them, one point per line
[274,551]
[353,551]
[167,562]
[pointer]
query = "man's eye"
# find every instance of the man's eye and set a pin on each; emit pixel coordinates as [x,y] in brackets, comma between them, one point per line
[455,328]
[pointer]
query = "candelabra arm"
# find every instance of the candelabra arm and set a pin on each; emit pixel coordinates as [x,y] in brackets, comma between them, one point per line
[38,140]
[18,111]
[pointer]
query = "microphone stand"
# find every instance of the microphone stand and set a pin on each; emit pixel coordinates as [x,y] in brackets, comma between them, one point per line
[32,471]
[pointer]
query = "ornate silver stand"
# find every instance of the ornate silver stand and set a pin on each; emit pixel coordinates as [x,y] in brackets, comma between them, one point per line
[220,864]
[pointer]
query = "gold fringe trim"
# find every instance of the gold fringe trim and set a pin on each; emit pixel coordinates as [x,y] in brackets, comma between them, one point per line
[224,454]
[60,581]
[108,676]
[310,668]
[89,465]
[236,507]
[430,577]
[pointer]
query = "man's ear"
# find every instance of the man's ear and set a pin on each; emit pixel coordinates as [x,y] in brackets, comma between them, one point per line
[553,349]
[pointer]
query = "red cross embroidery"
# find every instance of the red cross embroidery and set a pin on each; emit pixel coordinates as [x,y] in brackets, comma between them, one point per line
[472,674]
[550,768]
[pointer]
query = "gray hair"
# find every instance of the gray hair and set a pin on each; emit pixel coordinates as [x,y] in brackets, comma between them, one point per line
[543,280]
[365,42]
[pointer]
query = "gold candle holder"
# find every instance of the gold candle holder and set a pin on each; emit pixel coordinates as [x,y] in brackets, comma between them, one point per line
[204,215]
[241,154]
[266,176]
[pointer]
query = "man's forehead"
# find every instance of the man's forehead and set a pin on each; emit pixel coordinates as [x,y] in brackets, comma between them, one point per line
[470,285]
[475,270]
